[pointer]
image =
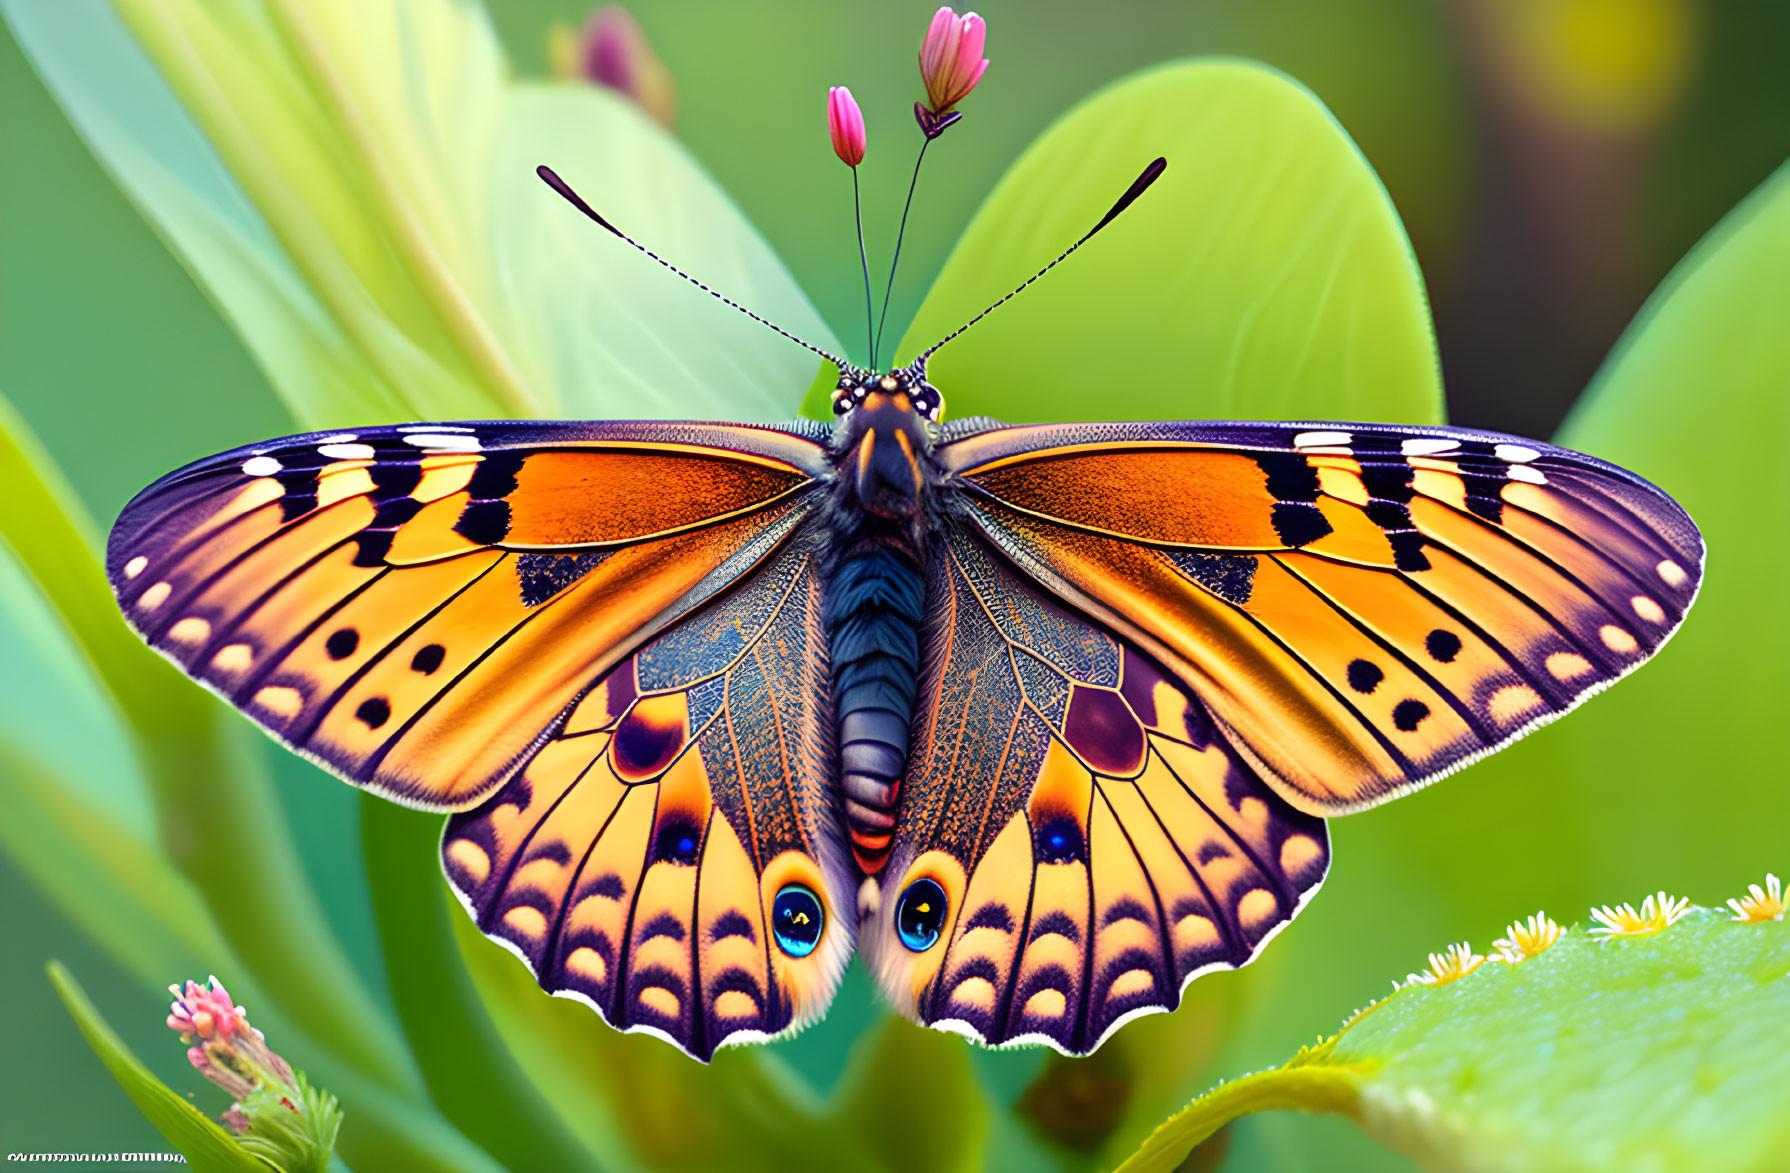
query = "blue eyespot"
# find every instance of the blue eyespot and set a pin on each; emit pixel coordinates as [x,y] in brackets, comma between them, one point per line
[921,915]
[796,920]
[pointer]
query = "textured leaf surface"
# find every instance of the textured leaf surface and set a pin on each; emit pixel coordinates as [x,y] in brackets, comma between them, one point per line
[1669,1052]
[1264,276]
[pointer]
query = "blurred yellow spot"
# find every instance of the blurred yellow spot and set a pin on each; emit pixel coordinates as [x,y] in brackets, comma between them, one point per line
[1613,67]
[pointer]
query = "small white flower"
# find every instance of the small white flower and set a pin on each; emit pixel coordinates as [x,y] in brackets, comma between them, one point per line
[1524,939]
[1454,963]
[1658,912]
[1760,904]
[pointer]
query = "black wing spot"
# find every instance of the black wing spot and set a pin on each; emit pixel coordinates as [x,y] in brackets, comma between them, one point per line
[1443,646]
[484,522]
[1299,524]
[1408,714]
[341,643]
[427,658]
[374,712]
[1365,675]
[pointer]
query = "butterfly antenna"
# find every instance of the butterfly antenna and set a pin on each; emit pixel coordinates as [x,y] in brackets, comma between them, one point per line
[552,179]
[1137,188]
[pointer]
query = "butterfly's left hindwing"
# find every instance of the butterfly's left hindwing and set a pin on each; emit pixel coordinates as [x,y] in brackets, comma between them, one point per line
[637,860]
[415,607]
[1094,842]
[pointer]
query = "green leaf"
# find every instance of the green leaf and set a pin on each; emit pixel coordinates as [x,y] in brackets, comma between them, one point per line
[471,1076]
[354,187]
[204,1143]
[1264,276]
[106,878]
[1696,396]
[1674,777]
[1669,1052]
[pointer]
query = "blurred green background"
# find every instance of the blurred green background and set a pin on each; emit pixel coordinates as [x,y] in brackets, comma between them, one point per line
[1551,161]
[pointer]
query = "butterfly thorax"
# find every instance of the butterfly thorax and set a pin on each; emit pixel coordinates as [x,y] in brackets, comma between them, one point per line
[875,594]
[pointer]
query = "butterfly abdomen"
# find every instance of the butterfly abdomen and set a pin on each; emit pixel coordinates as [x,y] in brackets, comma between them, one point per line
[873,615]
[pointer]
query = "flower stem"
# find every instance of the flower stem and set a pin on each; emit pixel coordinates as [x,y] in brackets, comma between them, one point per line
[899,235]
[864,262]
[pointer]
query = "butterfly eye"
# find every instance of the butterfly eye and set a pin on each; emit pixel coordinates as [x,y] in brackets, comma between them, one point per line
[920,915]
[796,920]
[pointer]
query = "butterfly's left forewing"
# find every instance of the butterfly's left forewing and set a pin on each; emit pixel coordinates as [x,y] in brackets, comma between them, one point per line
[1095,843]
[415,607]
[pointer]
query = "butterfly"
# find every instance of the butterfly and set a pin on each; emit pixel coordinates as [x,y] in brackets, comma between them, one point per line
[1045,720]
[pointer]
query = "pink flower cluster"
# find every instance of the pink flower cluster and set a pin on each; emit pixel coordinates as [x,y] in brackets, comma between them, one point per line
[951,63]
[225,1048]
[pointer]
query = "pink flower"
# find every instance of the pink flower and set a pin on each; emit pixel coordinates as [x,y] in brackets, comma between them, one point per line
[207,1013]
[611,51]
[951,61]
[846,124]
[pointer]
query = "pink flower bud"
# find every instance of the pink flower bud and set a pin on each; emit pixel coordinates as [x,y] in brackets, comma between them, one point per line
[846,124]
[951,61]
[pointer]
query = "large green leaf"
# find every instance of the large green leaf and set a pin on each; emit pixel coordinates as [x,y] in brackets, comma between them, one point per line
[1667,1052]
[217,816]
[1265,275]
[1673,777]
[353,184]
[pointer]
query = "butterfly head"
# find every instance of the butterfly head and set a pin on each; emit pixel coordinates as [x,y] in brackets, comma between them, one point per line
[904,389]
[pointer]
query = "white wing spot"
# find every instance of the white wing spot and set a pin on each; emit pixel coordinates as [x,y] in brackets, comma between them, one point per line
[189,631]
[135,566]
[443,442]
[1522,472]
[338,438]
[1427,445]
[1672,572]
[155,596]
[1516,453]
[346,451]
[1616,639]
[1320,439]
[261,466]
[1647,609]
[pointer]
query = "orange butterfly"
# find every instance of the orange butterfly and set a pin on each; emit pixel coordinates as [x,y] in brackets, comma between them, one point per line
[1048,719]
